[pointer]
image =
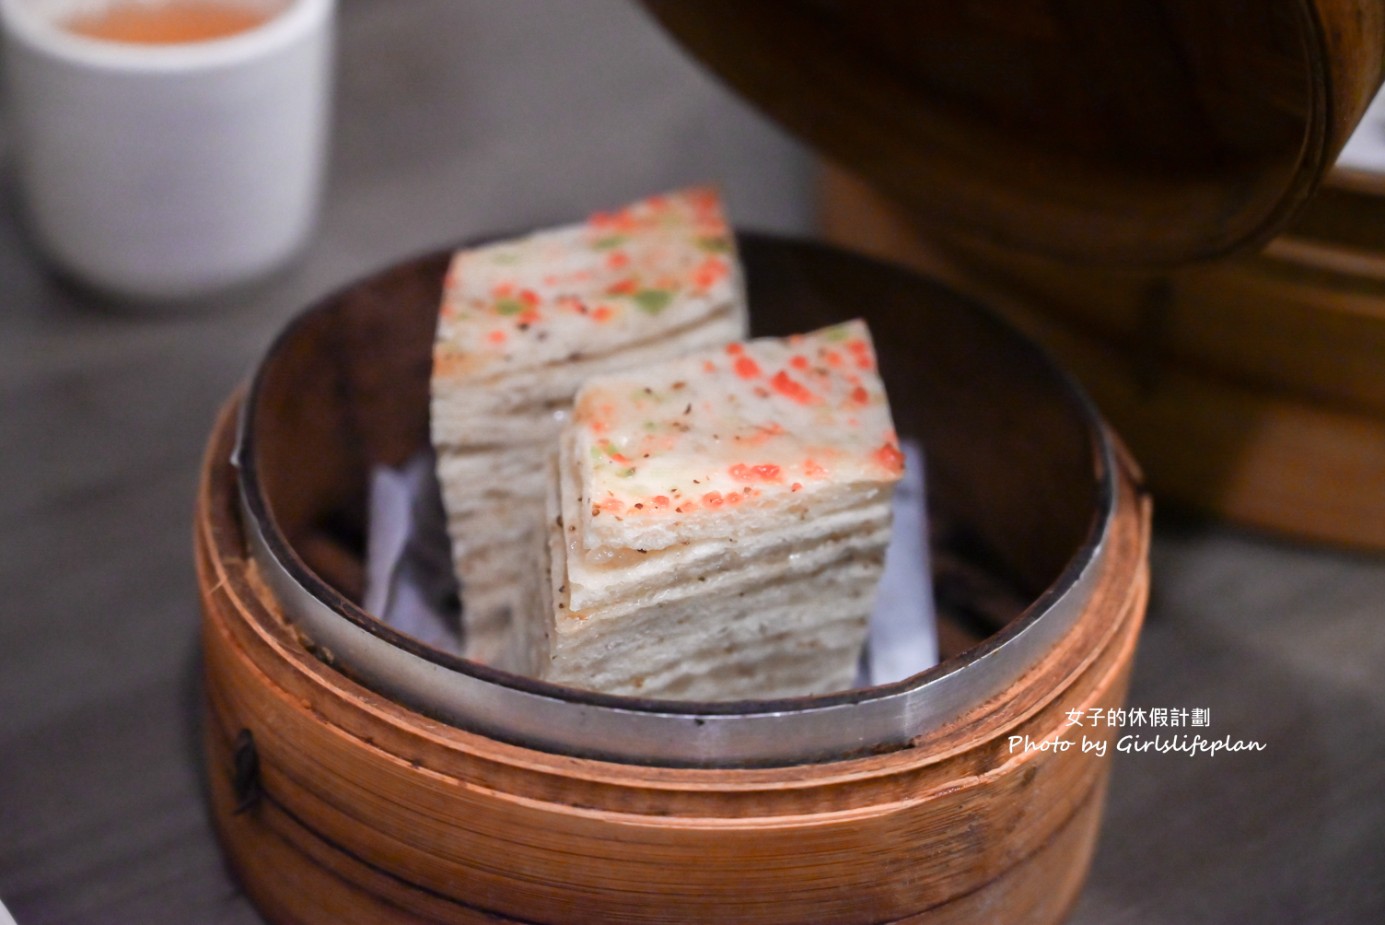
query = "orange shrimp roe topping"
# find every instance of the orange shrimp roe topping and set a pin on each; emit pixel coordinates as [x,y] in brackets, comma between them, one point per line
[621,220]
[860,351]
[747,368]
[708,272]
[765,472]
[792,389]
[889,457]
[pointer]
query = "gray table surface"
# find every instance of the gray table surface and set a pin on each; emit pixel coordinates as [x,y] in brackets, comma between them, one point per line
[455,118]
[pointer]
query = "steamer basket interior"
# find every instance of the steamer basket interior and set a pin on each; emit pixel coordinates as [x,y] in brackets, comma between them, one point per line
[1017,477]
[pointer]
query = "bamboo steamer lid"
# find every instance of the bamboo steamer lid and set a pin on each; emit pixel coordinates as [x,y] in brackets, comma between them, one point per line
[1148,133]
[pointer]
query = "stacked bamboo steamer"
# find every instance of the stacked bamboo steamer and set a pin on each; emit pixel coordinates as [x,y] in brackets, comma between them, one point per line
[437,790]
[1252,386]
[1153,132]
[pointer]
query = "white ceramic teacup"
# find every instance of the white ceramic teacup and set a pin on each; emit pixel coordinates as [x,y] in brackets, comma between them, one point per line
[168,171]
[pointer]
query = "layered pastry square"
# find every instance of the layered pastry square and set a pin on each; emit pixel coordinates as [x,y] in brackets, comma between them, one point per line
[523,323]
[717,524]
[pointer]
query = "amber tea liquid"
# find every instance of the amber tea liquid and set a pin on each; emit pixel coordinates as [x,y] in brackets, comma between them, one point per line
[168,22]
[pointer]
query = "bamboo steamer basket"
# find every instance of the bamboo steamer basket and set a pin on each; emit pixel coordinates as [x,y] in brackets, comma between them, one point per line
[356,776]
[449,792]
[1252,388]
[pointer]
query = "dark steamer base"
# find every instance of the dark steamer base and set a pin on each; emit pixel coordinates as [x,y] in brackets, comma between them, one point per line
[358,809]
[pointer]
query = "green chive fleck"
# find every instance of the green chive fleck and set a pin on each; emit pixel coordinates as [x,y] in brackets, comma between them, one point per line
[653,301]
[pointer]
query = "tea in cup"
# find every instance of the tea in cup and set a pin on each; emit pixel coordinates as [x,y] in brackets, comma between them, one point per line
[167,149]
